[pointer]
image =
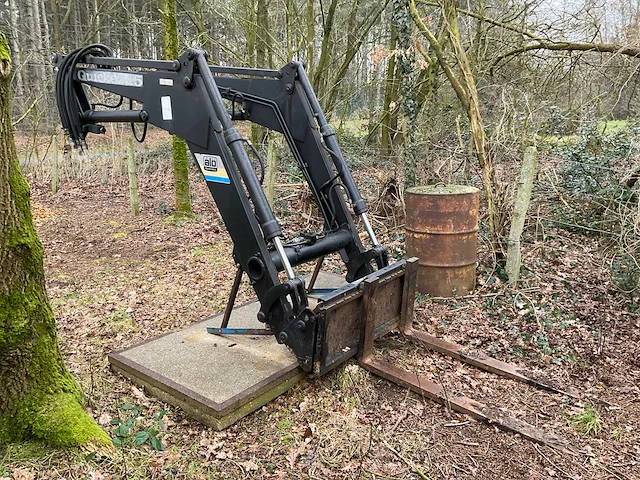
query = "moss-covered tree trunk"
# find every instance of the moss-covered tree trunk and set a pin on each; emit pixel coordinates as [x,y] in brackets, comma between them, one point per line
[180,163]
[38,396]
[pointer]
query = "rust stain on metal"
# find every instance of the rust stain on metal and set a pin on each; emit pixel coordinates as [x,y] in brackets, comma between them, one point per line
[442,231]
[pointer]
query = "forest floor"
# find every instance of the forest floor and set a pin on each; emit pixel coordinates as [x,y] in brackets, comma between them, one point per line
[115,280]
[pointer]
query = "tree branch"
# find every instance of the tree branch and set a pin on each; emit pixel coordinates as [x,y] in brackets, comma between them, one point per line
[437,48]
[28,110]
[615,48]
[541,43]
[492,21]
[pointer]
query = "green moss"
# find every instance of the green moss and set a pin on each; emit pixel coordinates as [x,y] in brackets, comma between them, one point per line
[180,164]
[170,29]
[51,409]
[5,53]
[63,422]
[181,175]
[442,189]
[179,219]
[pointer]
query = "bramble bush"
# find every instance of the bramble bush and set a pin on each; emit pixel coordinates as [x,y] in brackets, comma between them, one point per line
[599,188]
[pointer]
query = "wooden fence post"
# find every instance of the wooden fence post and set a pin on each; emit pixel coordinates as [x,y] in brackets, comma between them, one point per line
[133,180]
[55,175]
[523,197]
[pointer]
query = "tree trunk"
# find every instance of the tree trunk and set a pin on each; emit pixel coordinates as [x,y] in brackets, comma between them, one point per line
[34,43]
[55,20]
[250,30]
[289,18]
[272,158]
[373,101]
[38,396]
[311,33]
[55,173]
[390,96]
[198,22]
[134,45]
[15,46]
[410,106]
[46,34]
[95,21]
[264,59]
[133,179]
[264,56]
[180,163]
[215,27]
[321,71]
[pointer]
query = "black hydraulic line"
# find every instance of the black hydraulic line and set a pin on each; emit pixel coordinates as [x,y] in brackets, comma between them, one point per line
[134,132]
[70,97]
[332,205]
[233,138]
[96,116]
[105,105]
[329,135]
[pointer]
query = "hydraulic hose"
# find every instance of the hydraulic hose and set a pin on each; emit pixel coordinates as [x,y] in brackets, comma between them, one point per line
[71,99]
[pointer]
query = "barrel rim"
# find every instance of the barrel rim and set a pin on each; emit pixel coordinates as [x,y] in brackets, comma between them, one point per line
[442,189]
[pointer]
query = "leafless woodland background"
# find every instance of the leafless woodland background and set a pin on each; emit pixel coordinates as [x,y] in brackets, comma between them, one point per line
[578,105]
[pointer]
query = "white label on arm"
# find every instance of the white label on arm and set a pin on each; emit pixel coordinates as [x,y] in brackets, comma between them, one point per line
[167,112]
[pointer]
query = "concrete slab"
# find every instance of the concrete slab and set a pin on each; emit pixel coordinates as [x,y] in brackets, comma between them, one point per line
[215,379]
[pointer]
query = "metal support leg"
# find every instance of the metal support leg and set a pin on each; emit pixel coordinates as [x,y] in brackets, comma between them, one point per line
[314,275]
[223,330]
[232,298]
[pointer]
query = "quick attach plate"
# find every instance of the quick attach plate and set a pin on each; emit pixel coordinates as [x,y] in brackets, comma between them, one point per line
[339,315]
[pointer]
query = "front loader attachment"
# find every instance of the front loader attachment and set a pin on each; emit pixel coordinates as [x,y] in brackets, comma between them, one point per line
[339,314]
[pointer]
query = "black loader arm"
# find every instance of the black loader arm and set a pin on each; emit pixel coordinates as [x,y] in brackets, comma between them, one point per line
[200,102]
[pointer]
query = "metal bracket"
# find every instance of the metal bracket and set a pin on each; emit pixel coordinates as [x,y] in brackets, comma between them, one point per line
[293,287]
[377,253]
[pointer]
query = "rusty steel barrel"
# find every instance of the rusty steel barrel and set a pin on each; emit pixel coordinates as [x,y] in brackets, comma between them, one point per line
[442,231]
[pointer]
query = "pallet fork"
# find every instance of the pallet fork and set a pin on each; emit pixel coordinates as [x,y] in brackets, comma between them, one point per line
[200,102]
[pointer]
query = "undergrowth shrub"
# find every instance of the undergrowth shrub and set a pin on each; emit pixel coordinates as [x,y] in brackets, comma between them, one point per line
[599,191]
[559,123]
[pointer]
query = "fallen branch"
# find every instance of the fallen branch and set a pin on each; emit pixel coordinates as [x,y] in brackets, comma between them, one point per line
[408,462]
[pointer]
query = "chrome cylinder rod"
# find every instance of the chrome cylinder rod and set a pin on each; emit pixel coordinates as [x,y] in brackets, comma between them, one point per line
[369,230]
[283,257]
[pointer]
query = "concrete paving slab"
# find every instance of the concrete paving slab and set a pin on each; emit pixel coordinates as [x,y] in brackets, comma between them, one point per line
[215,379]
